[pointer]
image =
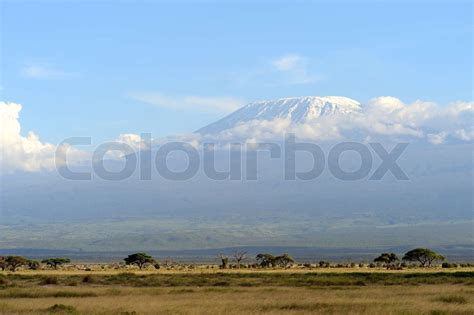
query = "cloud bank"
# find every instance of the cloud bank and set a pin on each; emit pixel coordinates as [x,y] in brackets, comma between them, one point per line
[26,153]
[382,118]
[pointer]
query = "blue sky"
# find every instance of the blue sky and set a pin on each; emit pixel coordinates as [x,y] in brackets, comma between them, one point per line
[101,68]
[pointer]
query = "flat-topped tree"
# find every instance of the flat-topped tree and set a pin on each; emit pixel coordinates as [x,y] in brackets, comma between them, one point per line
[387,259]
[139,259]
[424,256]
[56,262]
[13,262]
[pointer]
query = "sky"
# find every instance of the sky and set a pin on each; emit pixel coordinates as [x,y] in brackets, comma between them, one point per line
[103,68]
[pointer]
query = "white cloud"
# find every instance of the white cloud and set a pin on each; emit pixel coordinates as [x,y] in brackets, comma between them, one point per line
[295,68]
[190,103]
[28,153]
[289,69]
[437,138]
[44,72]
[383,117]
[288,62]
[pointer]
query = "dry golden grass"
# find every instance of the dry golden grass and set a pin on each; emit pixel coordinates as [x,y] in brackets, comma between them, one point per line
[428,299]
[269,292]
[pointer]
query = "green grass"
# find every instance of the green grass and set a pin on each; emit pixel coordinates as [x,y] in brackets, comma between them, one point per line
[251,279]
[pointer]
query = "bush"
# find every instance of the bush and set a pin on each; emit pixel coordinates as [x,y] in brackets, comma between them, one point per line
[88,279]
[49,281]
[324,264]
[454,299]
[449,265]
[61,308]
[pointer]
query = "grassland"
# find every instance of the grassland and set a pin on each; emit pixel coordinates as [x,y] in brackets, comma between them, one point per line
[238,292]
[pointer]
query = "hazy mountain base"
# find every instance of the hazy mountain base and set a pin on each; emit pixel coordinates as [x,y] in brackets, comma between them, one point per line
[433,208]
[172,234]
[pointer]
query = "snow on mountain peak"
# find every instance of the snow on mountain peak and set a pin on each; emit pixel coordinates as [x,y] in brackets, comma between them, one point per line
[296,109]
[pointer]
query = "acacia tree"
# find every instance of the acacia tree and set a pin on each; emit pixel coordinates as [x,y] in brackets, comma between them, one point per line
[13,262]
[139,259]
[283,260]
[239,256]
[387,259]
[266,260]
[224,261]
[424,256]
[56,262]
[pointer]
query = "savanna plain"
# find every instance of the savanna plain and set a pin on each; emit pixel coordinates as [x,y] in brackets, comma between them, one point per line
[210,291]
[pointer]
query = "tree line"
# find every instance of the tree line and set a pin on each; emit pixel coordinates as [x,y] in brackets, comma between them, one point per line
[423,256]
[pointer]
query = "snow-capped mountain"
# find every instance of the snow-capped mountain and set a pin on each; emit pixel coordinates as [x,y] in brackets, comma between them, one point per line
[297,109]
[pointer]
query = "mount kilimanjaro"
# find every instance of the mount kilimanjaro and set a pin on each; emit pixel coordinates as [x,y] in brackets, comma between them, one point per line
[297,109]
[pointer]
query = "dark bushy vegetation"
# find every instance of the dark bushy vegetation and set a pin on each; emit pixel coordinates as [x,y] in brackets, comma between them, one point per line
[423,256]
[257,279]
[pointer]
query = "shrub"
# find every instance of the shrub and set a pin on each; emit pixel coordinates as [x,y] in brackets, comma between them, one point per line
[61,308]
[49,281]
[34,265]
[324,264]
[454,299]
[449,265]
[88,279]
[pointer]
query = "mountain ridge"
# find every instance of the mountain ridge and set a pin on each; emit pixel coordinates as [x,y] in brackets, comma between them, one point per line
[297,109]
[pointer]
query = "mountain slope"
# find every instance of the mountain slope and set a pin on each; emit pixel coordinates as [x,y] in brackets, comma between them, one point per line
[297,109]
